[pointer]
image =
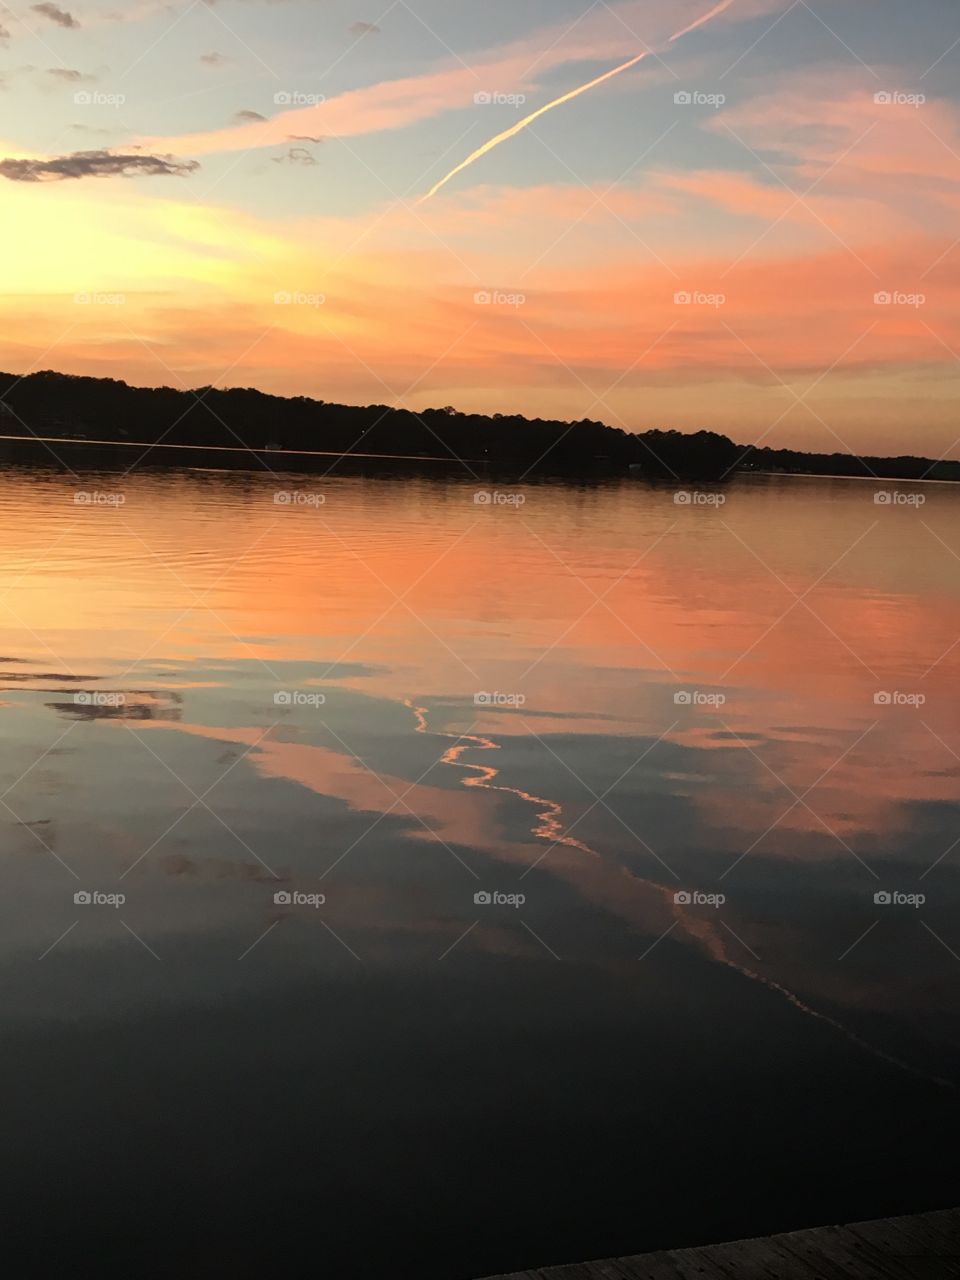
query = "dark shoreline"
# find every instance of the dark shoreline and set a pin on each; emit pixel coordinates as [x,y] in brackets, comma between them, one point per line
[100,414]
[62,453]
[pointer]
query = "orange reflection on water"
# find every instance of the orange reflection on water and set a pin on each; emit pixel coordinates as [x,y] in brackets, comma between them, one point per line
[796,600]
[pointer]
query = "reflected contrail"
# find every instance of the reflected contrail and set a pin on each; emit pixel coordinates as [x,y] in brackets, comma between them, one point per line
[567,97]
[551,826]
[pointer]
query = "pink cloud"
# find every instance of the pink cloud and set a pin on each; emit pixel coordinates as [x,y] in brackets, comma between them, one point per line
[605,34]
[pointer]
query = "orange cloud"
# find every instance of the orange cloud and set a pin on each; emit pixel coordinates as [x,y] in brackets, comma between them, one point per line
[584,321]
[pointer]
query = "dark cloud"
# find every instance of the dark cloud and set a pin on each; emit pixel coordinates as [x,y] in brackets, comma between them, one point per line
[44,77]
[296,155]
[55,14]
[364,29]
[68,74]
[93,164]
[4,33]
[213,59]
[303,137]
[249,115]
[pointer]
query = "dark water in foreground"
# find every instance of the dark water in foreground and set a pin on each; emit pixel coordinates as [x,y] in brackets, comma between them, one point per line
[696,740]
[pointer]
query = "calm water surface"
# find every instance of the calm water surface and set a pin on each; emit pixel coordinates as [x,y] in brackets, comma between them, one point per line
[683,746]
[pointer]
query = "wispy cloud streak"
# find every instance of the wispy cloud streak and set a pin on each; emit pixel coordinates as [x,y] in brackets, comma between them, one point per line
[512,132]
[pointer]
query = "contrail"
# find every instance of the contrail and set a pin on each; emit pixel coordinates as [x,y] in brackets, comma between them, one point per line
[567,97]
[707,17]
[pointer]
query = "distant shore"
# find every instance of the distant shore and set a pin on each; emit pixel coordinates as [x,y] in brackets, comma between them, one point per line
[116,454]
[73,442]
[56,411]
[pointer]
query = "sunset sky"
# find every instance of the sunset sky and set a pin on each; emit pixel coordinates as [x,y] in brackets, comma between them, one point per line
[231,193]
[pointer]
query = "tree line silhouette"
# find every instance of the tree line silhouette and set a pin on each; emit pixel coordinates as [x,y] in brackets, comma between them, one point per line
[85,410]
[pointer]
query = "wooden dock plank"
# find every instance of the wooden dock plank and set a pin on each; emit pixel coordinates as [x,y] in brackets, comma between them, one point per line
[827,1253]
[645,1266]
[889,1236]
[573,1271]
[700,1264]
[946,1221]
[764,1259]
[914,1247]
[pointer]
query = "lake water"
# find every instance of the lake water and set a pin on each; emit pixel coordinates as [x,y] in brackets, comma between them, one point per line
[598,789]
